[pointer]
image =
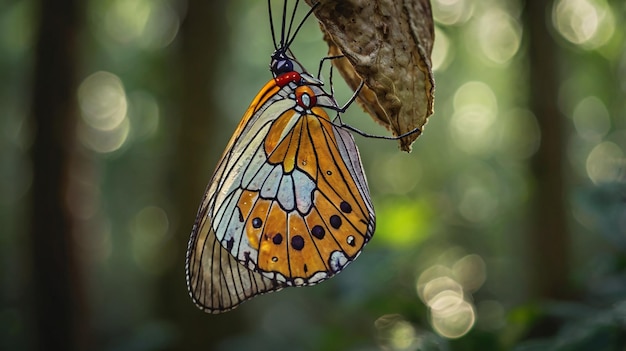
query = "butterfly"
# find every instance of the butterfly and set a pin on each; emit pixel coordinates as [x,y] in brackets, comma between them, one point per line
[288,203]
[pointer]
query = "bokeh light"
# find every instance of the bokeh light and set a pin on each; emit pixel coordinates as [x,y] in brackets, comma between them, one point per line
[443,52]
[451,316]
[588,23]
[591,119]
[104,108]
[605,163]
[475,111]
[429,274]
[470,271]
[447,293]
[498,35]
[103,101]
[394,333]
[146,23]
[477,194]
[452,12]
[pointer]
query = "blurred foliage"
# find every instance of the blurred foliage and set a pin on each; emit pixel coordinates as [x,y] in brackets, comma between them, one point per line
[452,216]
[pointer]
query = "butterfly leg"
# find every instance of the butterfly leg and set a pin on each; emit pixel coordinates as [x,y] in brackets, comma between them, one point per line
[373,136]
[332,87]
[327,58]
[343,109]
[337,121]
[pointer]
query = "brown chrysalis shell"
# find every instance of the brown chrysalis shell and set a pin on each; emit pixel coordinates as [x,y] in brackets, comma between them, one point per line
[387,44]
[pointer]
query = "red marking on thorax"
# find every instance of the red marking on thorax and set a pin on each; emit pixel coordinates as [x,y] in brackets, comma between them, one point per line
[287,78]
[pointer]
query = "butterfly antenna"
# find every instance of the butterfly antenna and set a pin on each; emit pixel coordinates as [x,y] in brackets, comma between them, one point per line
[302,23]
[282,26]
[269,7]
[293,15]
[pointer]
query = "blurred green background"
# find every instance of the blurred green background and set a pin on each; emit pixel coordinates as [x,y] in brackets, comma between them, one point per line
[504,229]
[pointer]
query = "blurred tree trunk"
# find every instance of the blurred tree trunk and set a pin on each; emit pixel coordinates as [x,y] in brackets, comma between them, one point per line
[548,239]
[56,288]
[203,42]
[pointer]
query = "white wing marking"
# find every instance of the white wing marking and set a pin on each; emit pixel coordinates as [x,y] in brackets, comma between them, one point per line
[270,186]
[286,193]
[303,191]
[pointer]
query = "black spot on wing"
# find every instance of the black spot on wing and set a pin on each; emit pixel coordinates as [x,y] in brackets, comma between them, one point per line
[297,242]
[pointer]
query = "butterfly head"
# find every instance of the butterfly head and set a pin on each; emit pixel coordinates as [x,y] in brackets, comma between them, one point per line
[282,60]
[286,69]
[281,63]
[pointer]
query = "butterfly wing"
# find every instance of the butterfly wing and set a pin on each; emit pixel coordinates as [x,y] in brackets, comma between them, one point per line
[316,215]
[216,281]
[297,209]
[288,204]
